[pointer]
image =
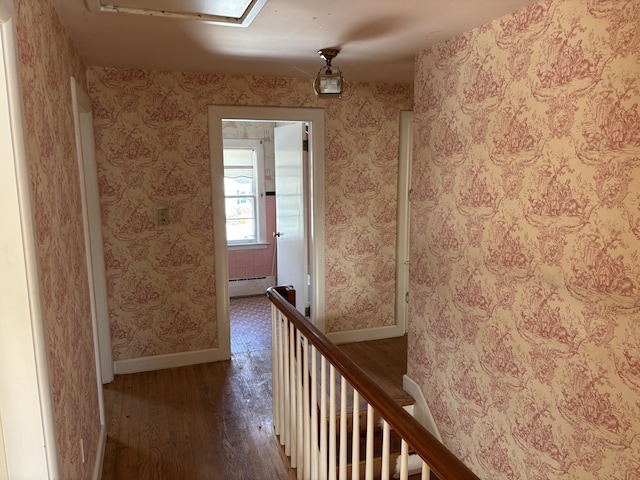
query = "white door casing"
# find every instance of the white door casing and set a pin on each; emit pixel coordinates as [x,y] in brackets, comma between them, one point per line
[26,400]
[93,231]
[314,117]
[96,276]
[404,205]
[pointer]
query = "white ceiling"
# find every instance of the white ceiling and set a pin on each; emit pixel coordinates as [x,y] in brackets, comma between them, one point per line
[378,38]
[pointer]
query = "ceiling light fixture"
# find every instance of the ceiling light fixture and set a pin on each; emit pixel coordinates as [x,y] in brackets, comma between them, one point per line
[329,82]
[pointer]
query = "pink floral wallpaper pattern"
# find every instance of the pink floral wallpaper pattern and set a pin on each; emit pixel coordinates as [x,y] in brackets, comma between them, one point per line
[152,150]
[47,59]
[525,275]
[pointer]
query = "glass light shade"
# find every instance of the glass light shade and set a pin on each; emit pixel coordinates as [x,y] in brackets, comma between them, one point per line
[329,83]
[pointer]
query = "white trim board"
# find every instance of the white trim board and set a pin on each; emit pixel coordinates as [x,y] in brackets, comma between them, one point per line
[172,360]
[102,445]
[250,286]
[421,410]
[403,220]
[97,280]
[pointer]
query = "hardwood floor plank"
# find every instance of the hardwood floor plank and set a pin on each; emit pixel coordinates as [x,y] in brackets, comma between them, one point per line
[158,429]
[205,421]
[385,360]
[209,421]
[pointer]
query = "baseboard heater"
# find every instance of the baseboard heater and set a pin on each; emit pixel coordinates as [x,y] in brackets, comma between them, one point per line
[242,287]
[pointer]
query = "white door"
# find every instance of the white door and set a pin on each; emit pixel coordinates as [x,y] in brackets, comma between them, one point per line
[291,229]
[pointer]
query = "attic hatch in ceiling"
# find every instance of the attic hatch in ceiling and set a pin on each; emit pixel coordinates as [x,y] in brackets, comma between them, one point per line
[235,13]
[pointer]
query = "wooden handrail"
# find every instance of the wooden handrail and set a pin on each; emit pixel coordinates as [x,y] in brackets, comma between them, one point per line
[440,459]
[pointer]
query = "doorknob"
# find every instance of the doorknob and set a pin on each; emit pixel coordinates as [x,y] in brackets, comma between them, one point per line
[277,234]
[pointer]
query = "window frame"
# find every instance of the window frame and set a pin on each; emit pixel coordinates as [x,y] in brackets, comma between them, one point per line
[257,146]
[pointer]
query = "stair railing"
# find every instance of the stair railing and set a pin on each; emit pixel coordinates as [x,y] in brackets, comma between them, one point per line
[306,366]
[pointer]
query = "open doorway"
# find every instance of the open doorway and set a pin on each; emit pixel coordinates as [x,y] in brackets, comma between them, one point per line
[250,149]
[310,265]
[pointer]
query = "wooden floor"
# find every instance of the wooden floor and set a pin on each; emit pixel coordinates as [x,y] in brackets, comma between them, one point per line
[210,421]
[386,361]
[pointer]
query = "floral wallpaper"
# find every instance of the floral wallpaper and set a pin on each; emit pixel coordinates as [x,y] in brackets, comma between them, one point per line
[47,59]
[152,150]
[525,275]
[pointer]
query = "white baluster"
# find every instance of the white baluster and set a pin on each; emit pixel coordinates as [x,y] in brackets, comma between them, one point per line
[355,444]
[286,431]
[404,461]
[274,369]
[332,423]
[323,417]
[307,426]
[300,447]
[278,387]
[426,471]
[293,413]
[369,457]
[313,440]
[386,434]
[343,429]
[280,377]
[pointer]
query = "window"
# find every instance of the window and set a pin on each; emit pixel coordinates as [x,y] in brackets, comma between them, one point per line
[244,192]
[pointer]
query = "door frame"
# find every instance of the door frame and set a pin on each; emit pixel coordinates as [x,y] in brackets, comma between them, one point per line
[96,273]
[403,222]
[315,118]
[26,397]
[92,223]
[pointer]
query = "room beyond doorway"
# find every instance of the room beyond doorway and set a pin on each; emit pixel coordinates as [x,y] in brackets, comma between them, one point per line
[314,118]
[250,319]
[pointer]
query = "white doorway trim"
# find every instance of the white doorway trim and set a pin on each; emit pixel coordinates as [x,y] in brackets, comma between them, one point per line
[92,230]
[404,206]
[97,281]
[26,400]
[315,118]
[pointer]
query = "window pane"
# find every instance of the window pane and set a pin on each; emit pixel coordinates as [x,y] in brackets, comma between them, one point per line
[241,176]
[238,186]
[240,230]
[241,224]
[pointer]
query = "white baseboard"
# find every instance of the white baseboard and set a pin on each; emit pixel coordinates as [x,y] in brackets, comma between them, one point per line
[377,333]
[250,286]
[421,410]
[102,444]
[159,362]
